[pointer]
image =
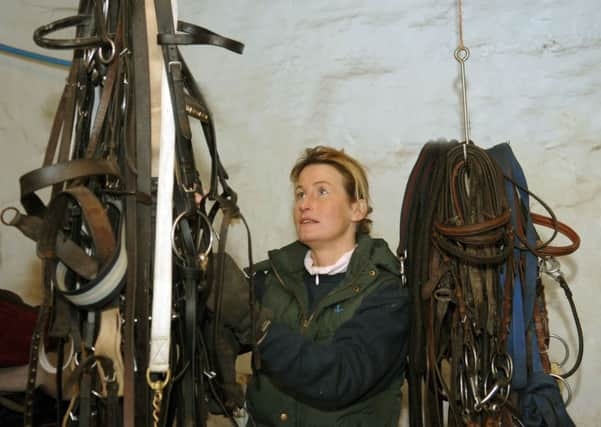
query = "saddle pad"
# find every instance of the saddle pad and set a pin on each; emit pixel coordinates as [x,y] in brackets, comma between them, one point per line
[17,322]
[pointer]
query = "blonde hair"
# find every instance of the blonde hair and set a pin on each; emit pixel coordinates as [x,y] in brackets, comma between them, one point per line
[353,174]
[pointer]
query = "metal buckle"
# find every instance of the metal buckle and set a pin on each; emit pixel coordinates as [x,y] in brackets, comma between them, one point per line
[402,270]
[171,63]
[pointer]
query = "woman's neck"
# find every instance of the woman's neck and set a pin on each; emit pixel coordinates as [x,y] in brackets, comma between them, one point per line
[328,255]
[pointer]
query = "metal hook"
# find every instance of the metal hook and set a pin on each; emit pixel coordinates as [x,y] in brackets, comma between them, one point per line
[462,54]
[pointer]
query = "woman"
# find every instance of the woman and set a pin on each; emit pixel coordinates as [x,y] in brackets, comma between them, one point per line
[333,317]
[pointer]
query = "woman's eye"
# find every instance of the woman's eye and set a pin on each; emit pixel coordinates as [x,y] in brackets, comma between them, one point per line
[323,192]
[299,195]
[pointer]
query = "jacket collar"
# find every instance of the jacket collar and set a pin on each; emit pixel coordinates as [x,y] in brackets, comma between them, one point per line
[290,258]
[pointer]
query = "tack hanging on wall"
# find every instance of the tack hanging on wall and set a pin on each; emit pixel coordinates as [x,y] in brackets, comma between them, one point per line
[473,261]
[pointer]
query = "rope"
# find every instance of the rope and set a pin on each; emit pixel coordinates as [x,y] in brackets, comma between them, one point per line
[35,56]
[460,13]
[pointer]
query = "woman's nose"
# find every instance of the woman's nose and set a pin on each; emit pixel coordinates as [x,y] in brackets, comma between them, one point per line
[305,203]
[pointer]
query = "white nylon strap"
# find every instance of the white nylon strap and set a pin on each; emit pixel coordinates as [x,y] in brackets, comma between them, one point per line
[160,332]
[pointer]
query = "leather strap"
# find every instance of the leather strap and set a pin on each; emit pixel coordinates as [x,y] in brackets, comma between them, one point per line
[193,34]
[137,408]
[72,255]
[42,319]
[41,39]
[94,216]
[562,228]
[59,173]
[104,286]
[108,345]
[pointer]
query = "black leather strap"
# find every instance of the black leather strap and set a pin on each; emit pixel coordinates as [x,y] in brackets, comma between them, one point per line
[194,34]
[41,39]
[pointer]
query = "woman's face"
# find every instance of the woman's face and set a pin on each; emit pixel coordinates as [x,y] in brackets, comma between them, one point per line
[323,212]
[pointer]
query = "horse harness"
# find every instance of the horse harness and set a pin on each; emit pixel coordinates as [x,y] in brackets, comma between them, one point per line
[473,262]
[93,234]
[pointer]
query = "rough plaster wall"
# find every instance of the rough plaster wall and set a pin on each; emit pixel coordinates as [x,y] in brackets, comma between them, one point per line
[377,78]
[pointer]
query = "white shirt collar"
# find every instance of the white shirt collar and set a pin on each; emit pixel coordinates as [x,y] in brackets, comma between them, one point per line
[339,266]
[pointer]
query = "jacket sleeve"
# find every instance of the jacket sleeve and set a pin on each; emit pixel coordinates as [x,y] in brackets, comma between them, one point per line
[363,352]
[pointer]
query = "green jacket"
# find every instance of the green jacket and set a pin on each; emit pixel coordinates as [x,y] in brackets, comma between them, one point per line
[343,363]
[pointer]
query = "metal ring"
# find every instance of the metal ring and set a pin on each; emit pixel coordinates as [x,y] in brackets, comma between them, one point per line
[506,395]
[490,394]
[45,363]
[14,219]
[176,251]
[461,388]
[76,360]
[507,368]
[565,347]
[462,54]
[503,381]
[97,394]
[473,379]
[443,294]
[520,423]
[503,391]
[101,56]
[567,386]
[111,379]
[463,393]
[475,359]
[158,385]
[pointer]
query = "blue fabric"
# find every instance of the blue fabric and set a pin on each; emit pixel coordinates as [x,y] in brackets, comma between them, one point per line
[541,403]
[540,399]
[516,345]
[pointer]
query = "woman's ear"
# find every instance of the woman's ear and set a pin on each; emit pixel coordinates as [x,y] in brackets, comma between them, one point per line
[359,210]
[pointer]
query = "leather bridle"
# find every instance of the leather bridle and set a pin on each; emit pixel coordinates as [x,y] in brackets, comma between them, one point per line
[469,250]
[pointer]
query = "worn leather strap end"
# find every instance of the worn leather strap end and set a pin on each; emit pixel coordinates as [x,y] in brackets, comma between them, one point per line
[193,34]
[39,35]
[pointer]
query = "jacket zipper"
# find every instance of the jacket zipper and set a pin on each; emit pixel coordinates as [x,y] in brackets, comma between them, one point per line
[307,322]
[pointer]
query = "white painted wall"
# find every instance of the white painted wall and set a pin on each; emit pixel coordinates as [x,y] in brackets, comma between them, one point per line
[378,79]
